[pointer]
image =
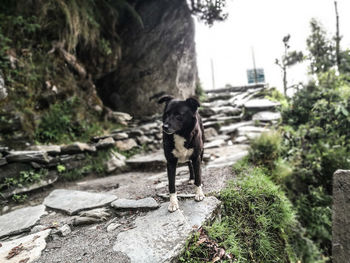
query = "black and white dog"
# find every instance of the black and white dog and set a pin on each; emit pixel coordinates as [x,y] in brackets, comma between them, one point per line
[183,137]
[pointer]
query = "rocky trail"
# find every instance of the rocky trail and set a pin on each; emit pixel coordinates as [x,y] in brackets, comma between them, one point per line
[123,217]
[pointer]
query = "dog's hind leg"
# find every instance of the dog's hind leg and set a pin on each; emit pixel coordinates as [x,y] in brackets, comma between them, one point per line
[173,204]
[198,179]
[190,168]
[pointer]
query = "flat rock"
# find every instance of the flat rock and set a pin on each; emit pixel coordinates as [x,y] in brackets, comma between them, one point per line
[27,156]
[116,161]
[126,145]
[150,161]
[160,236]
[233,127]
[227,110]
[214,144]
[210,133]
[120,136]
[50,149]
[29,247]
[261,104]
[227,155]
[77,147]
[3,161]
[20,220]
[105,143]
[267,116]
[72,201]
[145,203]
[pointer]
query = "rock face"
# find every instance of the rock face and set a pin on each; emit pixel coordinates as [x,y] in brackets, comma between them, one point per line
[158,58]
[341,216]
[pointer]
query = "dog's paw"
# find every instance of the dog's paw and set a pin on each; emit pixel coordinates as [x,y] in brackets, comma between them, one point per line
[191,181]
[173,204]
[199,194]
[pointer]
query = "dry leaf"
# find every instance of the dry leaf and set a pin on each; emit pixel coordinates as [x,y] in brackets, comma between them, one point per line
[25,260]
[15,251]
[216,259]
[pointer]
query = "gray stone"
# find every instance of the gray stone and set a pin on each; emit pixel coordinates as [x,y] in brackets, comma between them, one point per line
[116,161]
[267,116]
[145,203]
[48,180]
[261,104]
[135,133]
[105,143]
[13,169]
[77,147]
[31,247]
[120,136]
[341,216]
[126,145]
[210,133]
[113,226]
[50,149]
[206,112]
[160,236]
[64,230]
[3,161]
[227,110]
[38,228]
[214,144]
[120,117]
[3,90]
[148,161]
[144,140]
[27,156]
[90,216]
[20,220]
[251,131]
[234,127]
[72,201]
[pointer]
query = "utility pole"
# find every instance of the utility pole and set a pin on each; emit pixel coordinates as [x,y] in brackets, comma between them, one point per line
[212,73]
[337,37]
[254,67]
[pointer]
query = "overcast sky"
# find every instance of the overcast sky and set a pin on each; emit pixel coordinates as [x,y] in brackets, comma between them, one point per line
[261,25]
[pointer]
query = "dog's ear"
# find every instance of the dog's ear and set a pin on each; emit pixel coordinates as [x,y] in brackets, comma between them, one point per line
[165,98]
[193,103]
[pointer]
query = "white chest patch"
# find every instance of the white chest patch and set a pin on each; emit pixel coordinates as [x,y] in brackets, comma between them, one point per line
[180,151]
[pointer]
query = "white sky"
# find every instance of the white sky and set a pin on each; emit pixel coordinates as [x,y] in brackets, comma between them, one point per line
[262,24]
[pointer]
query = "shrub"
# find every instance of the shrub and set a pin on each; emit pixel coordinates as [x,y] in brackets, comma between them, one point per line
[265,149]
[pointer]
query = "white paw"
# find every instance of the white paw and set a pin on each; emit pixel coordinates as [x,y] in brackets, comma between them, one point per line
[173,204]
[191,181]
[199,194]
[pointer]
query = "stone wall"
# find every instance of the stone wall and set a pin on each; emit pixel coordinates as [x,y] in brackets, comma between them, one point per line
[341,216]
[158,58]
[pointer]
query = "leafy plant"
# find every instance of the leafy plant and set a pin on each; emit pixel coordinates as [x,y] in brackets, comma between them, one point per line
[19,198]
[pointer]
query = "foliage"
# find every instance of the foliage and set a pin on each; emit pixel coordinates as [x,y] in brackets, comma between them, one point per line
[289,58]
[274,94]
[321,49]
[258,224]
[265,149]
[19,198]
[209,11]
[24,178]
[60,124]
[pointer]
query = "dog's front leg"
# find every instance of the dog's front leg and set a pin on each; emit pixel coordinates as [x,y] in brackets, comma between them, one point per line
[198,179]
[173,204]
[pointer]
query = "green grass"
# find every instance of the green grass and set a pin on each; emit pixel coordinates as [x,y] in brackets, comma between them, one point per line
[258,224]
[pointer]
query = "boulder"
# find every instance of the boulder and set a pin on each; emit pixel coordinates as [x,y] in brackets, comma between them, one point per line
[105,143]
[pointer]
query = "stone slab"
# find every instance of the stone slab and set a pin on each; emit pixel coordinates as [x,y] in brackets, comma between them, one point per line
[29,247]
[20,220]
[341,216]
[267,116]
[145,203]
[160,236]
[73,201]
[261,104]
[148,161]
[233,127]
[27,156]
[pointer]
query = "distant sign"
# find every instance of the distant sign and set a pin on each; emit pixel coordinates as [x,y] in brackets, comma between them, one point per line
[260,75]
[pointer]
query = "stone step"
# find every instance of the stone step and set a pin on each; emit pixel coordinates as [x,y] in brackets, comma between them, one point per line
[160,236]
[150,161]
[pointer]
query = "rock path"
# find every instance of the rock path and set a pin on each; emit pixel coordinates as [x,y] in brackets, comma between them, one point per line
[124,217]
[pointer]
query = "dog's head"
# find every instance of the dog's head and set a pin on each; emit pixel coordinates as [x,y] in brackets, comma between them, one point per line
[178,114]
